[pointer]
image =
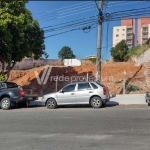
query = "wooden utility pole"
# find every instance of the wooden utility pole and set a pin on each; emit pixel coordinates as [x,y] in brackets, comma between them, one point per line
[99,42]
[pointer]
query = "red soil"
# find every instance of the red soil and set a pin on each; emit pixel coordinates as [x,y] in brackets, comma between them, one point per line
[112,76]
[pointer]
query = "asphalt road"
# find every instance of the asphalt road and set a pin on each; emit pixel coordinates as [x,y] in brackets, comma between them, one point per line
[75,128]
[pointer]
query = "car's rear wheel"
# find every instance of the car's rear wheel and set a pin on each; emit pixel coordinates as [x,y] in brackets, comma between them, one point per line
[103,104]
[5,103]
[148,104]
[96,102]
[51,103]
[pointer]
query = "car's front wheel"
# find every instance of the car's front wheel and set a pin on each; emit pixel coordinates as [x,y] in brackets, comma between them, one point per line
[51,103]
[5,103]
[96,102]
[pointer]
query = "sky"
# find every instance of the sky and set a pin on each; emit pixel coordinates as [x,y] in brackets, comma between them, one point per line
[82,43]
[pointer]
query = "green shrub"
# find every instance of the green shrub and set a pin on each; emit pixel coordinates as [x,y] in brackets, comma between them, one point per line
[93,60]
[119,51]
[130,88]
[136,51]
[2,76]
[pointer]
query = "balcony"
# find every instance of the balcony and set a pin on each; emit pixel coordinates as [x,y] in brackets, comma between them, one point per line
[129,46]
[129,30]
[144,41]
[129,42]
[145,36]
[129,37]
[144,29]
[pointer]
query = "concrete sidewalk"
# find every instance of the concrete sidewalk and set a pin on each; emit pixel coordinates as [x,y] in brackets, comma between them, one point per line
[127,99]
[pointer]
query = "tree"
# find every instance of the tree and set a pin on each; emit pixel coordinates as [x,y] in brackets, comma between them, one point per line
[66,53]
[45,55]
[120,51]
[20,35]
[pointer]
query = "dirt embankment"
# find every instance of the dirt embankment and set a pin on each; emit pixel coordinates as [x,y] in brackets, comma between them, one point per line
[112,76]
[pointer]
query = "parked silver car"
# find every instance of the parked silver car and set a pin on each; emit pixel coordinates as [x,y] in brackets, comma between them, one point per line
[147,97]
[92,93]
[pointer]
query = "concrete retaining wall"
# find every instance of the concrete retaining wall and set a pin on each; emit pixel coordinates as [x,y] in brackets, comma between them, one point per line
[145,57]
[29,63]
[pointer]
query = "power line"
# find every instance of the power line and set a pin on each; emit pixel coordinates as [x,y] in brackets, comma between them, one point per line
[118,42]
[124,4]
[69,15]
[130,10]
[71,25]
[106,49]
[107,39]
[133,16]
[65,12]
[132,13]
[65,32]
[96,5]
[89,17]
[115,2]
[62,8]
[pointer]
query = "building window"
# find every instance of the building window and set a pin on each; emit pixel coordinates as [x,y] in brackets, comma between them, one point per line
[122,34]
[145,35]
[144,41]
[129,41]
[129,30]
[129,36]
[145,29]
[117,29]
[123,29]
[129,46]
[117,35]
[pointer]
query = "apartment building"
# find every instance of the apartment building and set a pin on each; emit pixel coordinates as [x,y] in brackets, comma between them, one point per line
[119,34]
[143,30]
[124,32]
[127,31]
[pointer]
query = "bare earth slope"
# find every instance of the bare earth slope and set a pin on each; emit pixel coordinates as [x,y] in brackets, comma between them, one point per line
[112,76]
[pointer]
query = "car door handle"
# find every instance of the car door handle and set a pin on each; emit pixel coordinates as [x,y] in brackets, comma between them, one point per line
[91,92]
[72,93]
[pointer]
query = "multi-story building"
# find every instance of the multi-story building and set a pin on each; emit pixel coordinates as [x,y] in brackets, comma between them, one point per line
[119,34]
[127,31]
[124,32]
[143,30]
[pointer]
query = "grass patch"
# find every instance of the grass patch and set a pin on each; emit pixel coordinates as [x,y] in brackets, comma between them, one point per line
[136,51]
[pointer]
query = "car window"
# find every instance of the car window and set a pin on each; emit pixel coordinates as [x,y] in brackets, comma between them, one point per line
[94,86]
[11,85]
[69,88]
[100,84]
[3,85]
[83,86]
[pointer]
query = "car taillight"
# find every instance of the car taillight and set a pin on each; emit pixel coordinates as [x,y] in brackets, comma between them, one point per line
[104,91]
[21,92]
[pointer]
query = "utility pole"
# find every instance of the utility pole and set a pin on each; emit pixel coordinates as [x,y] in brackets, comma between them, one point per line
[99,42]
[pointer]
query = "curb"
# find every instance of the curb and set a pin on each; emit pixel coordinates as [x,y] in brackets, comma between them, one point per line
[121,100]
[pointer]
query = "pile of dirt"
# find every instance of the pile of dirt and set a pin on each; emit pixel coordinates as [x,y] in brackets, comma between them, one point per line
[112,76]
